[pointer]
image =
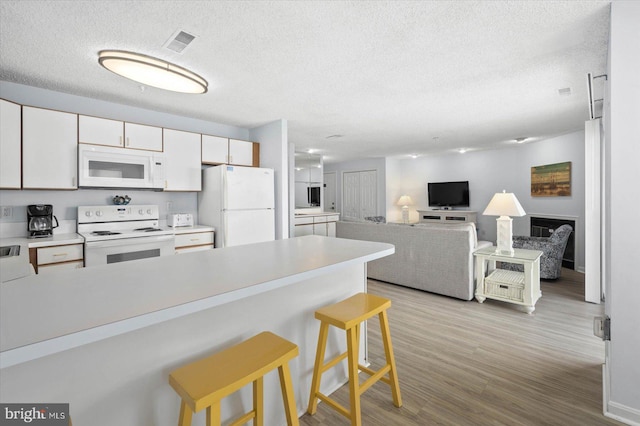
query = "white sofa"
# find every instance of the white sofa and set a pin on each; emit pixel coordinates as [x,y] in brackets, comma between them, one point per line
[431,257]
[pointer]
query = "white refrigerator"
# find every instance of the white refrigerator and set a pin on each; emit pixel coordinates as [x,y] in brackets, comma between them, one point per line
[239,202]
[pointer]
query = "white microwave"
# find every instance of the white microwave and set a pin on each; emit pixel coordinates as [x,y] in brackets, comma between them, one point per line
[109,167]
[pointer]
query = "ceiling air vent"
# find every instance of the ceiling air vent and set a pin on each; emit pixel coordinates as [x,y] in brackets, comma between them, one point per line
[179,41]
[564,91]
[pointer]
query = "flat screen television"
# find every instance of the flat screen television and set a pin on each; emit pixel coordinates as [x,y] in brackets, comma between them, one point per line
[448,194]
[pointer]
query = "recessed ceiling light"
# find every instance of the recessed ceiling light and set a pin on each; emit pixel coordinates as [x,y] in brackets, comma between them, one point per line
[462,150]
[520,140]
[334,136]
[414,156]
[152,71]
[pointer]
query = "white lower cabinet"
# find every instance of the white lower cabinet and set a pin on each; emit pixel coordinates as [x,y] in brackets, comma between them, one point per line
[316,225]
[49,149]
[55,258]
[194,241]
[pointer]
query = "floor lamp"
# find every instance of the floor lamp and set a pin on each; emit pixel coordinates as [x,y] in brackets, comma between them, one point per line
[504,204]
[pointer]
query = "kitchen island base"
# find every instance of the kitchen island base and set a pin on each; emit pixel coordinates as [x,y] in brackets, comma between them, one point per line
[123,379]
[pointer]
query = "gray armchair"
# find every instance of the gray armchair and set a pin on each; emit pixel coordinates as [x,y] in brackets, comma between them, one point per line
[552,250]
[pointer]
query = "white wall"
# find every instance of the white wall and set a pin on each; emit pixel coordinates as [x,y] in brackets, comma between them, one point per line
[622,235]
[274,154]
[492,171]
[377,164]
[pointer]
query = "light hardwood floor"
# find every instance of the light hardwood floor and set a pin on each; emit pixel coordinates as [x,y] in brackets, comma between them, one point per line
[466,363]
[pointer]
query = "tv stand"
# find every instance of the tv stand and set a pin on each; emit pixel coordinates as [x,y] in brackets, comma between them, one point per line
[447,216]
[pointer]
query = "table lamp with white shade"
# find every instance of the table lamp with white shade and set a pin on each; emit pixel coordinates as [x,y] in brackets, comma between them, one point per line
[504,204]
[405,201]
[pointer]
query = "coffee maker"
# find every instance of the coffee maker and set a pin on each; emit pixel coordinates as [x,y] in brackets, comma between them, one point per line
[40,220]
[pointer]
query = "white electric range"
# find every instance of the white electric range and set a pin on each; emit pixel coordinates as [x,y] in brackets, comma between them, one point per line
[121,233]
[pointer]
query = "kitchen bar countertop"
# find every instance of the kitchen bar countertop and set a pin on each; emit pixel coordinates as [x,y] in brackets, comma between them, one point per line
[42,315]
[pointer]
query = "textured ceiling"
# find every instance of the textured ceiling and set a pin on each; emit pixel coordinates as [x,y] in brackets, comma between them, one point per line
[353,79]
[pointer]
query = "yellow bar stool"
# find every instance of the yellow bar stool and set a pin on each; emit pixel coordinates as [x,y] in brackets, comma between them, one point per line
[203,383]
[348,315]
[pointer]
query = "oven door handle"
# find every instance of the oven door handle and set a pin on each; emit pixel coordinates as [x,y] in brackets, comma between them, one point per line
[129,241]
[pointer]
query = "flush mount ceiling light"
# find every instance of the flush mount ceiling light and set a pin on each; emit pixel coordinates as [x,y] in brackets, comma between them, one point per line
[152,72]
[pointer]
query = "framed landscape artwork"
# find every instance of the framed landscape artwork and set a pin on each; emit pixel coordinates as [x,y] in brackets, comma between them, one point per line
[551,180]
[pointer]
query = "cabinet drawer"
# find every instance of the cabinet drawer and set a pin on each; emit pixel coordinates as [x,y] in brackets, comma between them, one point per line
[194,239]
[333,218]
[43,269]
[56,254]
[181,250]
[505,284]
[305,220]
[319,219]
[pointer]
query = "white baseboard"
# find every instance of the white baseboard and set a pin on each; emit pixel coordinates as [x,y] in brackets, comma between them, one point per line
[614,410]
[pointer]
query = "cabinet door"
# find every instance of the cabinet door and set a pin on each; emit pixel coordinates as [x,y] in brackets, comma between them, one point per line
[182,161]
[240,152]
[100,131]
[10,134]
[301,230]
[320,229]
[49,149]
[331,229]
[138,136]
[315,174]
[215,150]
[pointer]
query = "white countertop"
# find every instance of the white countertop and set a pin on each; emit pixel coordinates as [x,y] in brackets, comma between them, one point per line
[15,267]
[66,309]
[191,229]
[317,214]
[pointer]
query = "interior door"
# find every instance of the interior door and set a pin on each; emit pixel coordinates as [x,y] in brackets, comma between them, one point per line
[360,194]
[329,202]
[351,196]
[368,194]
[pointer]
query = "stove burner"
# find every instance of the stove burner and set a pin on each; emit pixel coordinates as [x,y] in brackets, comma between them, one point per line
[148,229]
[101,233]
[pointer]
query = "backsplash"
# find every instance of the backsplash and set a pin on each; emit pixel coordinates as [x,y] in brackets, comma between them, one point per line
[65,205]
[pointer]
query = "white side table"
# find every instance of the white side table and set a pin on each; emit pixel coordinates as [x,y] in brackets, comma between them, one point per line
[521,288]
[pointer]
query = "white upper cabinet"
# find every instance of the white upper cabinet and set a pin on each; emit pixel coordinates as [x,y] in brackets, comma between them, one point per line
[10,134]
[49,149]
[214,149]
[100,131]
[182,161]
[138,136]
[241,153]
[218,150]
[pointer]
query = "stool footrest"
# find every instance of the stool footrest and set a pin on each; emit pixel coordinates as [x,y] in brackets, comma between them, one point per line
[375,376]
[335,405]
[330,364]
[244,419]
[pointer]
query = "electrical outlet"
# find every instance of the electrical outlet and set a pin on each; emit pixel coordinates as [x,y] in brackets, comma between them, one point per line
[169,206]
[6,212]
